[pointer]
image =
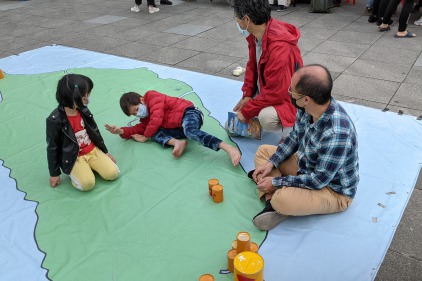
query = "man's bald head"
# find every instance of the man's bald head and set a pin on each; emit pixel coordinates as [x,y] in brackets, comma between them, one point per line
[314,81]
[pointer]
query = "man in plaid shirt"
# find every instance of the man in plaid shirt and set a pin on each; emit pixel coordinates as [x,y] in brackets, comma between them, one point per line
[315,170]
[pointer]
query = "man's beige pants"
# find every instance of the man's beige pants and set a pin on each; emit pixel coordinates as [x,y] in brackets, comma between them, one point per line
[297,201]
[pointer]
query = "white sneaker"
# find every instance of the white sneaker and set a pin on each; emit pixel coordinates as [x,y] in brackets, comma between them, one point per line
[153,9]
[135,9]
[418,22]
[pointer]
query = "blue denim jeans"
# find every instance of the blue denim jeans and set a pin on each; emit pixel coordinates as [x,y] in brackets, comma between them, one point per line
[191,125]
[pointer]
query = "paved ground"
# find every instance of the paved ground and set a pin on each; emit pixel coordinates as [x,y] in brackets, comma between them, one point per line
[370,67]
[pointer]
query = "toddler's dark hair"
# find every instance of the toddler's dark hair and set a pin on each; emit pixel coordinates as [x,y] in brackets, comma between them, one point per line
[71,88]
[128,99]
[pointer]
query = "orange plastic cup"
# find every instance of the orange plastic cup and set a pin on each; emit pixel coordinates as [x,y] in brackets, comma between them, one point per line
[211,183]
[248,266]
[217,193]
[234,245]
[1,74]
[243,241]
[230,258]
[254,247]
[206,277]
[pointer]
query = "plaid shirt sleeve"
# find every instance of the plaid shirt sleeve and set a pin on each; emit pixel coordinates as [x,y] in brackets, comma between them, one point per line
[332,152]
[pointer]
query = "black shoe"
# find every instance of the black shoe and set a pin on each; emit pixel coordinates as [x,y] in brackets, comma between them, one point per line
[166,2]
[281,8]
[379,22]
[250,173]
[416,8]
[268,218]
[372,18]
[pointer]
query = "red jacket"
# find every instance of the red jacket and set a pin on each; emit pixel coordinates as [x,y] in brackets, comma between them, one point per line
[279,55]
[164,112]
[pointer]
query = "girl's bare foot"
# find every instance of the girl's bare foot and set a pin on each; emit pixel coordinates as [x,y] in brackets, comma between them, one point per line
[232,151]
[179,147]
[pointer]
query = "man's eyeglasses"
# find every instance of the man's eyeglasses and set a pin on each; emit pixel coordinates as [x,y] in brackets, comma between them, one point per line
[291,93]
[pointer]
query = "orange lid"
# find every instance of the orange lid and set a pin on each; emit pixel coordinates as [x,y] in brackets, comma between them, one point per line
[231,254]
[213,181]
[243,236]
[248,263]
[217,187]
[254,247]
[206,277]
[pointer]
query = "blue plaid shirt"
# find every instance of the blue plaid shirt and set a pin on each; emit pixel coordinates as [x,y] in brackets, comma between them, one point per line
[327,151]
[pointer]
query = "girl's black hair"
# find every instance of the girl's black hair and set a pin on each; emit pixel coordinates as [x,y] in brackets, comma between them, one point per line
[71,88]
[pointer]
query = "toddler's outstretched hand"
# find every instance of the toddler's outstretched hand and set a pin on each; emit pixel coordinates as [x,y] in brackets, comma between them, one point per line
[140,138]
[113,129]
[54,181]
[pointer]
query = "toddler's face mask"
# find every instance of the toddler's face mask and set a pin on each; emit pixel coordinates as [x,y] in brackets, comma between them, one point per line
[142,111]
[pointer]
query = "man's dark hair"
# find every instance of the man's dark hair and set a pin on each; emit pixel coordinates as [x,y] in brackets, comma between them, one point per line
[316,87]
[129,99]
[71,88]
[259,11]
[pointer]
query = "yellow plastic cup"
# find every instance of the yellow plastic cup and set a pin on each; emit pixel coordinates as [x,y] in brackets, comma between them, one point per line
[248,265]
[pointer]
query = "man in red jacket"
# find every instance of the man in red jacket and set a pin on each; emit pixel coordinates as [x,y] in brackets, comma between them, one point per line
[273,58]
[166,119]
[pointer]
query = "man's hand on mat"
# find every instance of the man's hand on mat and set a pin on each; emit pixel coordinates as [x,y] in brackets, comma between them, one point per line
[241,104]
[262,171]
[265,185]
[111,157]
[114,129]
[140,138]
[54,181]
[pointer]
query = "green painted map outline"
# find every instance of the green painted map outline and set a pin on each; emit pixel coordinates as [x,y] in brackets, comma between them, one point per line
[157,221]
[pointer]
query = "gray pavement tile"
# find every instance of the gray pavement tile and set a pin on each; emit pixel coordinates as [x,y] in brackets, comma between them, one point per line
[352,50]
[295,20]
[133,49]
[90,42]
[388,54]
[11,44]
[337,15]
[19,30]
[406,111]
[163,39]
[211,21]
[332,62]
[388,71]
[208,63]
[203,12]
[358,101]
[418,62]
[5,54]
[47,22]
[228,71]
[408,95]
[177,19]
[51,35]
[31,47]
[188,29]
[134,22]
[355,37]
[316,33]
[197,43]
[107,30]
[363,19]
[365,88]
[363,27]
[235,48]
[414,76]
[106,19]
[159,26]
[302,10]
[221,33]
[134,34]
[7,7]
[335,75]
[12,16]
[328,24]
[168,55]
[308,45]
[29,10]
[399,43]
[71,15]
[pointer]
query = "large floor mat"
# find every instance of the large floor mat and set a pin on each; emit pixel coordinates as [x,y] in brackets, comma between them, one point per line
[157,222]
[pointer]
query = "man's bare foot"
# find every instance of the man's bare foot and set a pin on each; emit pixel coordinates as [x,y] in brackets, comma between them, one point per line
[232,151]
[179,147]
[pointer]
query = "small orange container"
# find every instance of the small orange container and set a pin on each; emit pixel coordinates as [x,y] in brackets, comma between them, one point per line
[217,193]
[248,266]
[230,258]
[211,183]
[1,74]
[243,241]
[206,277]
[254,247]
[234,245]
